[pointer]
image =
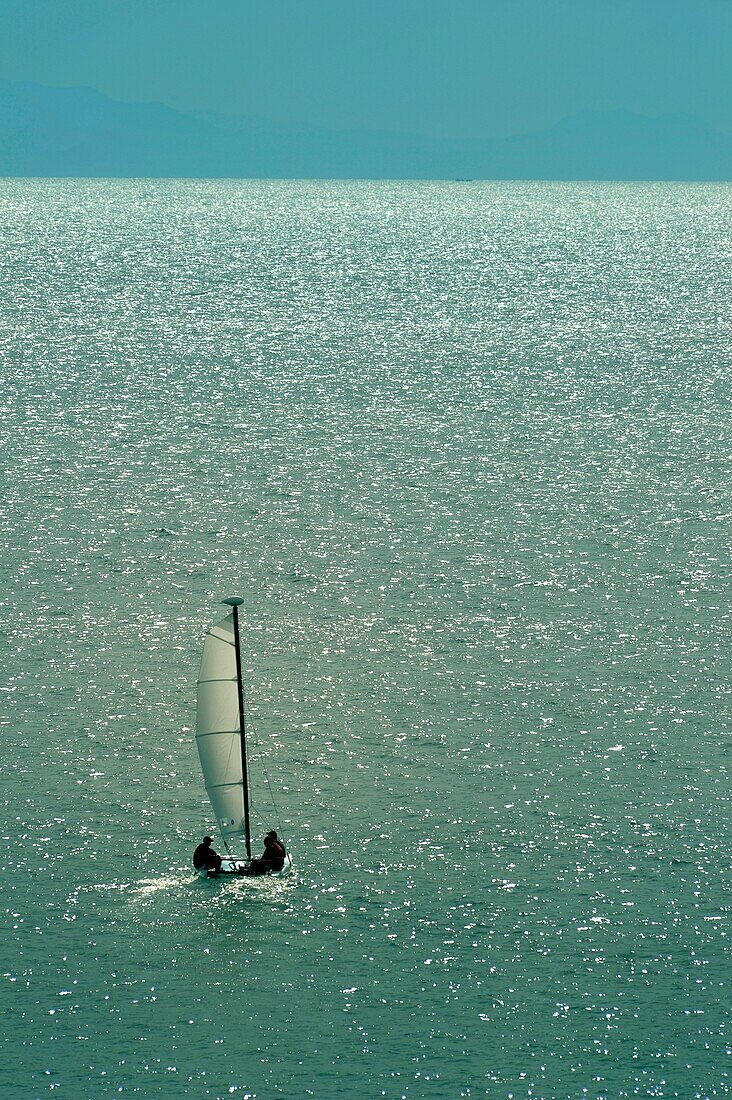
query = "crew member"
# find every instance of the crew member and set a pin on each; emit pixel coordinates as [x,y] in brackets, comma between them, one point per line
[205,858]
[271,860]
[274,852]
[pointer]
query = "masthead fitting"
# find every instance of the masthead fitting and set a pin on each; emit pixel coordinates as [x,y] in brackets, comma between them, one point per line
[233,601]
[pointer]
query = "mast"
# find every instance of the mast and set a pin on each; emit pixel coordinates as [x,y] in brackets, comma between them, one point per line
[234,602]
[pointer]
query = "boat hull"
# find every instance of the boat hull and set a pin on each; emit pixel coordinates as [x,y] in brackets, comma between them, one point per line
[238,868]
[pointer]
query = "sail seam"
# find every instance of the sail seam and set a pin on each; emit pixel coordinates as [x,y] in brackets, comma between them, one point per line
[215,733]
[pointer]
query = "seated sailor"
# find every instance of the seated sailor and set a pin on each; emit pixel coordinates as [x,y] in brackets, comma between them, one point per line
[205,858]
[272,859]
[274,852]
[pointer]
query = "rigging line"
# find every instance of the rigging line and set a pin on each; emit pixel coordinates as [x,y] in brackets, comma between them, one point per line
[262,823]
[251,726]
[274,804]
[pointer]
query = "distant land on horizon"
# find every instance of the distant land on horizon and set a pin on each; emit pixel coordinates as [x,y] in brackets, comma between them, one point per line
[78,132]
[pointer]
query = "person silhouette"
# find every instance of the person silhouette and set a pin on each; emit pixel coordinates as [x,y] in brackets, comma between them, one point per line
[272,858]
[206,858]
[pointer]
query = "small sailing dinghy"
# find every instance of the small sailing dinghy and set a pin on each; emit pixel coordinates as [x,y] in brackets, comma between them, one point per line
[222,743]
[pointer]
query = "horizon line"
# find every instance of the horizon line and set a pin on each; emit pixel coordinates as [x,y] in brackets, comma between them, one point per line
[378,179]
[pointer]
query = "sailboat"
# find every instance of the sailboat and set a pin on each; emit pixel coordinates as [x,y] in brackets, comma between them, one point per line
[221,738]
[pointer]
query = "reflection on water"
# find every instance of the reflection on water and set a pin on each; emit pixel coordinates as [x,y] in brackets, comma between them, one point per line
[461,449]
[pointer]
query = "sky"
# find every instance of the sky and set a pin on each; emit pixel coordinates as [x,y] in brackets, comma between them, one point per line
[464,70]
[548,89]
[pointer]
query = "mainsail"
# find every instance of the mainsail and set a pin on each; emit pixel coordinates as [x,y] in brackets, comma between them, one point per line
[218,727]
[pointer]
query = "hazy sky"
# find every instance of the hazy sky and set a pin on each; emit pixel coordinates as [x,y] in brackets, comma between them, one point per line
[464,68]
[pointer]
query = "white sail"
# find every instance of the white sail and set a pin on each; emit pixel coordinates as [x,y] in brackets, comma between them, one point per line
[218,735]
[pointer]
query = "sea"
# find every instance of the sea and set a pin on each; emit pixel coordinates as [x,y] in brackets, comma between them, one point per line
[463,450]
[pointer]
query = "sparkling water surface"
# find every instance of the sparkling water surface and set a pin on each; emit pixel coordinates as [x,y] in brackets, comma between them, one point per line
[463,449]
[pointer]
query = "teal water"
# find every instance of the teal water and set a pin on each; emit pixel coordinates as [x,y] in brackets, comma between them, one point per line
[463,450]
